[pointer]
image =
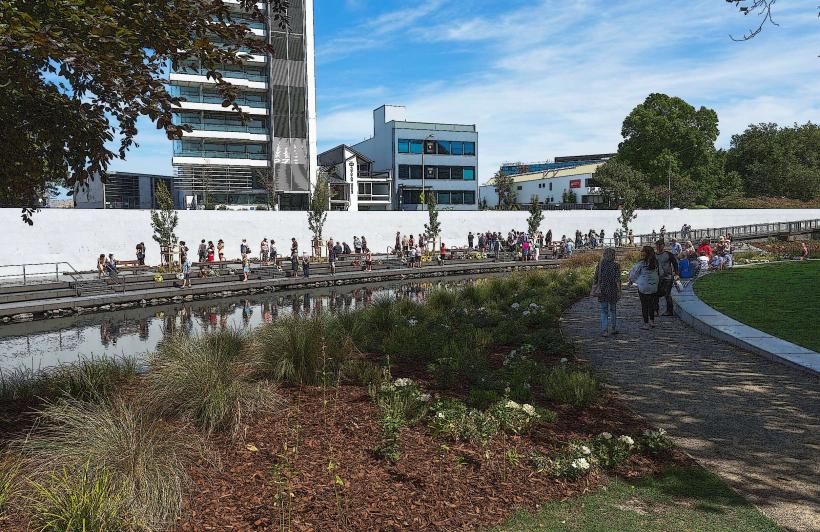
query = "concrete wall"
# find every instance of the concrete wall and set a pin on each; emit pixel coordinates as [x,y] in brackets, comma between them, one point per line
[79,236]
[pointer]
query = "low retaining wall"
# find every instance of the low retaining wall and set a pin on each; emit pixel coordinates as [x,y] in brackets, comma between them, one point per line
[79,236]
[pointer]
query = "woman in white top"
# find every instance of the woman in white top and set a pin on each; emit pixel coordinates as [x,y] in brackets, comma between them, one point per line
[645,275]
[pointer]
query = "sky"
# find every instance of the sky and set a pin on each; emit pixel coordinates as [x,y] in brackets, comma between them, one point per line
[545,78]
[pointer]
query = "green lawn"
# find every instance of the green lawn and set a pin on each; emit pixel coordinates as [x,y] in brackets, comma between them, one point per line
[780,299]
[681,499]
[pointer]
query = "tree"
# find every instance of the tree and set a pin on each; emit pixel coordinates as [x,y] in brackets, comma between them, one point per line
[319,203]
[267,178]
[505,189]
[432,229]
[164,221]
[666,136]
[622,186]
[76,77]
[569,196]
[777,161]
[536,215]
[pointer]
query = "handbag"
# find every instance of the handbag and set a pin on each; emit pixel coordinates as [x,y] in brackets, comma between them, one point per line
[596,284]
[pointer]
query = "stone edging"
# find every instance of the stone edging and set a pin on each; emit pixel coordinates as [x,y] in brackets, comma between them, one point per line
[705,319]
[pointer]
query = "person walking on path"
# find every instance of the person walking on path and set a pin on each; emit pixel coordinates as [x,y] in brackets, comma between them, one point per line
[645,275]
[607,284]
[667,270]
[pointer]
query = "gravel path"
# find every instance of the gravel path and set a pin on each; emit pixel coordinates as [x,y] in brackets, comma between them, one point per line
[754,422]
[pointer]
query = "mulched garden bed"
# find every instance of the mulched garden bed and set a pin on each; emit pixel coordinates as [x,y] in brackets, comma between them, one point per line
[313,467]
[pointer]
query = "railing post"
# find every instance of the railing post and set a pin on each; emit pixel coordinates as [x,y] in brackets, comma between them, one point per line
[57,271]
[24,275]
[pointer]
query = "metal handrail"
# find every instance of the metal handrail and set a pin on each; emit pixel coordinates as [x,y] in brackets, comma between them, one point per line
[761,230]
[26,275]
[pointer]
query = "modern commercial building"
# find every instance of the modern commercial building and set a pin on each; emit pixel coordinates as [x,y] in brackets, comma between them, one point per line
[225,161]
[572,187]
[559,163]
[438,158]
[354,185]
[123,190]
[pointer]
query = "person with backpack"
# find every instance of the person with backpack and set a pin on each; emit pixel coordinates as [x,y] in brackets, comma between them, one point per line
[646,276]
[667,269]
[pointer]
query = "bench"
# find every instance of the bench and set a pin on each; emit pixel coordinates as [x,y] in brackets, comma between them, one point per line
[131,265]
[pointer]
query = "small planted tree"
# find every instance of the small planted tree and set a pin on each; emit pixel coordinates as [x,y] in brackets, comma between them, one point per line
[267,178]
[164,222]
[432,229]
[504,187]
[536,215]
[319,202]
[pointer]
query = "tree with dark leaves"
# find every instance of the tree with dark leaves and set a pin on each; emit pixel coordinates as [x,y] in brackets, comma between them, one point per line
[76,75]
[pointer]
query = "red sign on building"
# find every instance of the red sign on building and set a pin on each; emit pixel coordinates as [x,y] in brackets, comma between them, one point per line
[574,183]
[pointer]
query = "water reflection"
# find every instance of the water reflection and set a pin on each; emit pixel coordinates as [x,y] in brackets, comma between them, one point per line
[41,344]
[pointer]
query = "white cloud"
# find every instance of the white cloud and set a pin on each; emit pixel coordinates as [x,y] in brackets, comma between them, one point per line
[562,83]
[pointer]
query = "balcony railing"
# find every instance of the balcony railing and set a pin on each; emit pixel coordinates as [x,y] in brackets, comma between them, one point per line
[250,76]
[219,99]
[234,128]
[220,154]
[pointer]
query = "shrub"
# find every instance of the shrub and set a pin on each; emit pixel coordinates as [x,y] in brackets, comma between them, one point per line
[88,379]
[573,462]
[515,418]
[482,399]
[566,384]
[141,457]
[360,372]
[451,419]
[79,500]
[294,349]
[656,442]
[610,451]
[206,382]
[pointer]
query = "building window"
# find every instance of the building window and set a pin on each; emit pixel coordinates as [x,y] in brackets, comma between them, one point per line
[404,146]
[469,173]
[518,187]
[416,146]
[456,148]
[411,197]
[443,172]
[443,198]
[469,197]
[469,148]
[443,147]
[550,186]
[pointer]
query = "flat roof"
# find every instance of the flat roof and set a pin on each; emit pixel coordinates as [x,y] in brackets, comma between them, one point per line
[552,174]
[470,128]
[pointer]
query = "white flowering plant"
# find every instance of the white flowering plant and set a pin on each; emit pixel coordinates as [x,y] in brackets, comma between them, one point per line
[517,418]
[575,461]
[453,420]
[656,442]
[611,451]
[401,397]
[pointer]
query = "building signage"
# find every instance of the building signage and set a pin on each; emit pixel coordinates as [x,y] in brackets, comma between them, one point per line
[574,183]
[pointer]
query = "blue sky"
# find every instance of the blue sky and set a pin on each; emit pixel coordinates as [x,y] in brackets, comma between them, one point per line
[543,78]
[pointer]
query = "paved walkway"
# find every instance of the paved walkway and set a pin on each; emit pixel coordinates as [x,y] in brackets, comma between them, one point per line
[754,422]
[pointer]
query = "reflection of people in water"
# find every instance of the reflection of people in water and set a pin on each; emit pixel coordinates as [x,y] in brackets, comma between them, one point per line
[267,313]
[143,329]
[104,335]
[247,311]
[306,303]
[213,316]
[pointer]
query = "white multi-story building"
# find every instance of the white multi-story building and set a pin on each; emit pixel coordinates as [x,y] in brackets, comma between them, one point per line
[441,159]
[354,186]
[569,187]
[225,161]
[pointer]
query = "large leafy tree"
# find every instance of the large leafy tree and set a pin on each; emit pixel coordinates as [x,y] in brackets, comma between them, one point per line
[665,136]
[777,161]
[76,75]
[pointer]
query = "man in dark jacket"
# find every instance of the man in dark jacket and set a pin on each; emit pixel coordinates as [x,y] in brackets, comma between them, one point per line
[668,269]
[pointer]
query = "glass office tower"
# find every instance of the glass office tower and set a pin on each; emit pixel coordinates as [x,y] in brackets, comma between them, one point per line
[225,161]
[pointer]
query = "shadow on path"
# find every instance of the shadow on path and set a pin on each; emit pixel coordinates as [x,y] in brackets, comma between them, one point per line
[754,422]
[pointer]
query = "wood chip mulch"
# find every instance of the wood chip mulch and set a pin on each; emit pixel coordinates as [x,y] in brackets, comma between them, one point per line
[313,467]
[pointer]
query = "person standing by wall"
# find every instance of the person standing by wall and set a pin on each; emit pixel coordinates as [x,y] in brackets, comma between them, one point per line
[220,249]
[186,272]
[264,250]
[607,283]
[667,270]
[332,256]
[246,267]
[141,254]
[202,251]
[645,275]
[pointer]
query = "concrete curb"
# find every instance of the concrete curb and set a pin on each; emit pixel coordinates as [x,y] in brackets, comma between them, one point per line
[705,319]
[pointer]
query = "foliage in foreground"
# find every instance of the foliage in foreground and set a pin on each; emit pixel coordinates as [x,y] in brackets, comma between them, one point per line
[87,379]
[571,385]
[118,450]
[207,381]
[9,484]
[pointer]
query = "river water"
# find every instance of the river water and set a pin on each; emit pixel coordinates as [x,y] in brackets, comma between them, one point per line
[137,331]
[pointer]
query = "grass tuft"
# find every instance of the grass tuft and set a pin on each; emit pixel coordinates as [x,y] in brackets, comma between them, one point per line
[206,381]
[567,384]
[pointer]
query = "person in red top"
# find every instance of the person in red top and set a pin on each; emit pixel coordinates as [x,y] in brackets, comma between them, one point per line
[442,253]
[705,248]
